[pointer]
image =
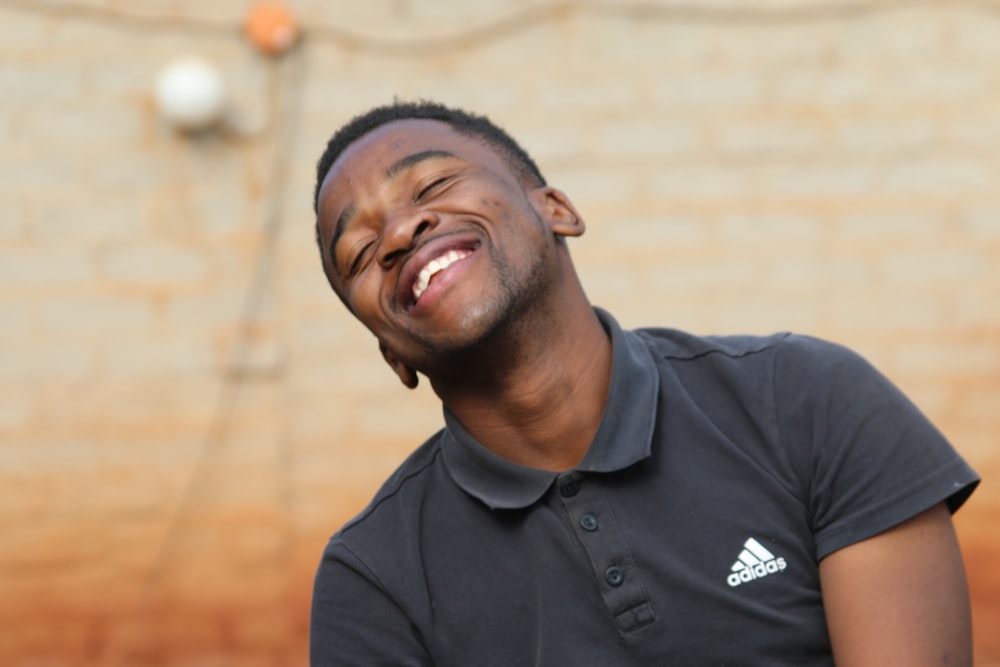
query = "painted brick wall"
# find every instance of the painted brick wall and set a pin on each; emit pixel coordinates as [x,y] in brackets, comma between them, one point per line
[185,411]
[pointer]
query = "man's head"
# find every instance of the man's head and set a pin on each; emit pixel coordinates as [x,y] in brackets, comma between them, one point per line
[437,231]
[461,121]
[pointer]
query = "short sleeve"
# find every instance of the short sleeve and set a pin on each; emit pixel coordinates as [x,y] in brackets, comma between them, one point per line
[870,458]
[353,622]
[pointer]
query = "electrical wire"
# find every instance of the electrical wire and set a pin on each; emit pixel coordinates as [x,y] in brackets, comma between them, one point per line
[690,11]
[287,93]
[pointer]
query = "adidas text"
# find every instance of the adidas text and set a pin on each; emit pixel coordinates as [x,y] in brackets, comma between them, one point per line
[756,572]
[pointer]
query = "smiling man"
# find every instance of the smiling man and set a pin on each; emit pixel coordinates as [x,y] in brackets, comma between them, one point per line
[599,496]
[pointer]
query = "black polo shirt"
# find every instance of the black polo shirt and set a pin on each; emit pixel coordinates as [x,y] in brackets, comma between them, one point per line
[723,470]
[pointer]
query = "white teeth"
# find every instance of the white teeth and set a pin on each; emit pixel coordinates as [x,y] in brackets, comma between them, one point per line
[434,266]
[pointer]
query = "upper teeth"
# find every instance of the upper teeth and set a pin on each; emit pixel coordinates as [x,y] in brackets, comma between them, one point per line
[435,265]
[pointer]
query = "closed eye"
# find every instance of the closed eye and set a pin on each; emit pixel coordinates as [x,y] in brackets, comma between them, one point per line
[355,265]
[429,187]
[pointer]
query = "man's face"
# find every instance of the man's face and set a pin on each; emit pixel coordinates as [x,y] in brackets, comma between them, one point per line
[432,239]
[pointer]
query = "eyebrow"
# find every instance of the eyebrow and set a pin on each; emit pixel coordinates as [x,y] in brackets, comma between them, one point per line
[394,170]
[405,163]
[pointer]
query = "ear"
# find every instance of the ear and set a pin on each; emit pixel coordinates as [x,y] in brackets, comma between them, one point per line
[406,375]
[558,211]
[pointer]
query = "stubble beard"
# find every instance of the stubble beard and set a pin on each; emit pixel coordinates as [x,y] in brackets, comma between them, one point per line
[491,332]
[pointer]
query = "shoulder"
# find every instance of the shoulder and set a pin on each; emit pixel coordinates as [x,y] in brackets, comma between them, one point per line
[680,345]
[385,547]
[676,345]
[794,358]
[378,545]
[367,584]
[409,481]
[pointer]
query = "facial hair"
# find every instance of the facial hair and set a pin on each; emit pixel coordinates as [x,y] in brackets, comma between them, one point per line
[492,329]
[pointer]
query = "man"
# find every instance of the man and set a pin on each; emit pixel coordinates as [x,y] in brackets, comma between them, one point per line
[598,496]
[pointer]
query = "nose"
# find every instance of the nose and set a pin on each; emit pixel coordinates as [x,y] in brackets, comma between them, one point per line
[401,233]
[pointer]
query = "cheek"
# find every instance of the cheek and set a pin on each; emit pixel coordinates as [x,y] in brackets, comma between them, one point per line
[497,205]
[501,214]
[364,299]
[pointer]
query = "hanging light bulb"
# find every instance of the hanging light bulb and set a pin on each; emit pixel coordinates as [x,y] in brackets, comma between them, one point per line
[190,94]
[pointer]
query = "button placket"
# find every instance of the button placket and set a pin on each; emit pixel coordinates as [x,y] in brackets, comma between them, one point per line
[611,562]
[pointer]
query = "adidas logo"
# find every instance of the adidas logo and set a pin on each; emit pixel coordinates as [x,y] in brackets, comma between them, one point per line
[754,562]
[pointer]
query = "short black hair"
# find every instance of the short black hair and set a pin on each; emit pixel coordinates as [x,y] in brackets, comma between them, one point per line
[461,121]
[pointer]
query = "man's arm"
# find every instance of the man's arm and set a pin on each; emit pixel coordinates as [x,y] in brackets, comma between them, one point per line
[354,624]
[900,598]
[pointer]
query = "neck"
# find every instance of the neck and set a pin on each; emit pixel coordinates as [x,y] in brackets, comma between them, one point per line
[536,397]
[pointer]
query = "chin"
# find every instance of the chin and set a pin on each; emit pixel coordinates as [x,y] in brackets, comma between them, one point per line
[475,329]
[486,326]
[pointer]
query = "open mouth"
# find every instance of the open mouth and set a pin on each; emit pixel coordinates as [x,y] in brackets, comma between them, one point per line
[432,264]
[434,267]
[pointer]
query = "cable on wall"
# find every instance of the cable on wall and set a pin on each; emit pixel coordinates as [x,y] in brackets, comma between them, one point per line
[285,93]
[494,28]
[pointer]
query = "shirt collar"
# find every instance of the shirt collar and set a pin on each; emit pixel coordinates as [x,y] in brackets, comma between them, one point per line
[624,436]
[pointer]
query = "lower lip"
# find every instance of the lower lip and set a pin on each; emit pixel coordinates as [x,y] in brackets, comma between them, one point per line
[441,281]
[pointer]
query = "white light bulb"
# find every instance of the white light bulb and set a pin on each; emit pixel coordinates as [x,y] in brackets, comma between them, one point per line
[190,93]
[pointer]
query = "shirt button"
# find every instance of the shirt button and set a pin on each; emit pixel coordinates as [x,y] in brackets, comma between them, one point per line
[588,522]
[614,575]
[569,488]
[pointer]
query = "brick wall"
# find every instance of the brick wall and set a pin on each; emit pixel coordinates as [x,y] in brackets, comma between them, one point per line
[185,411]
